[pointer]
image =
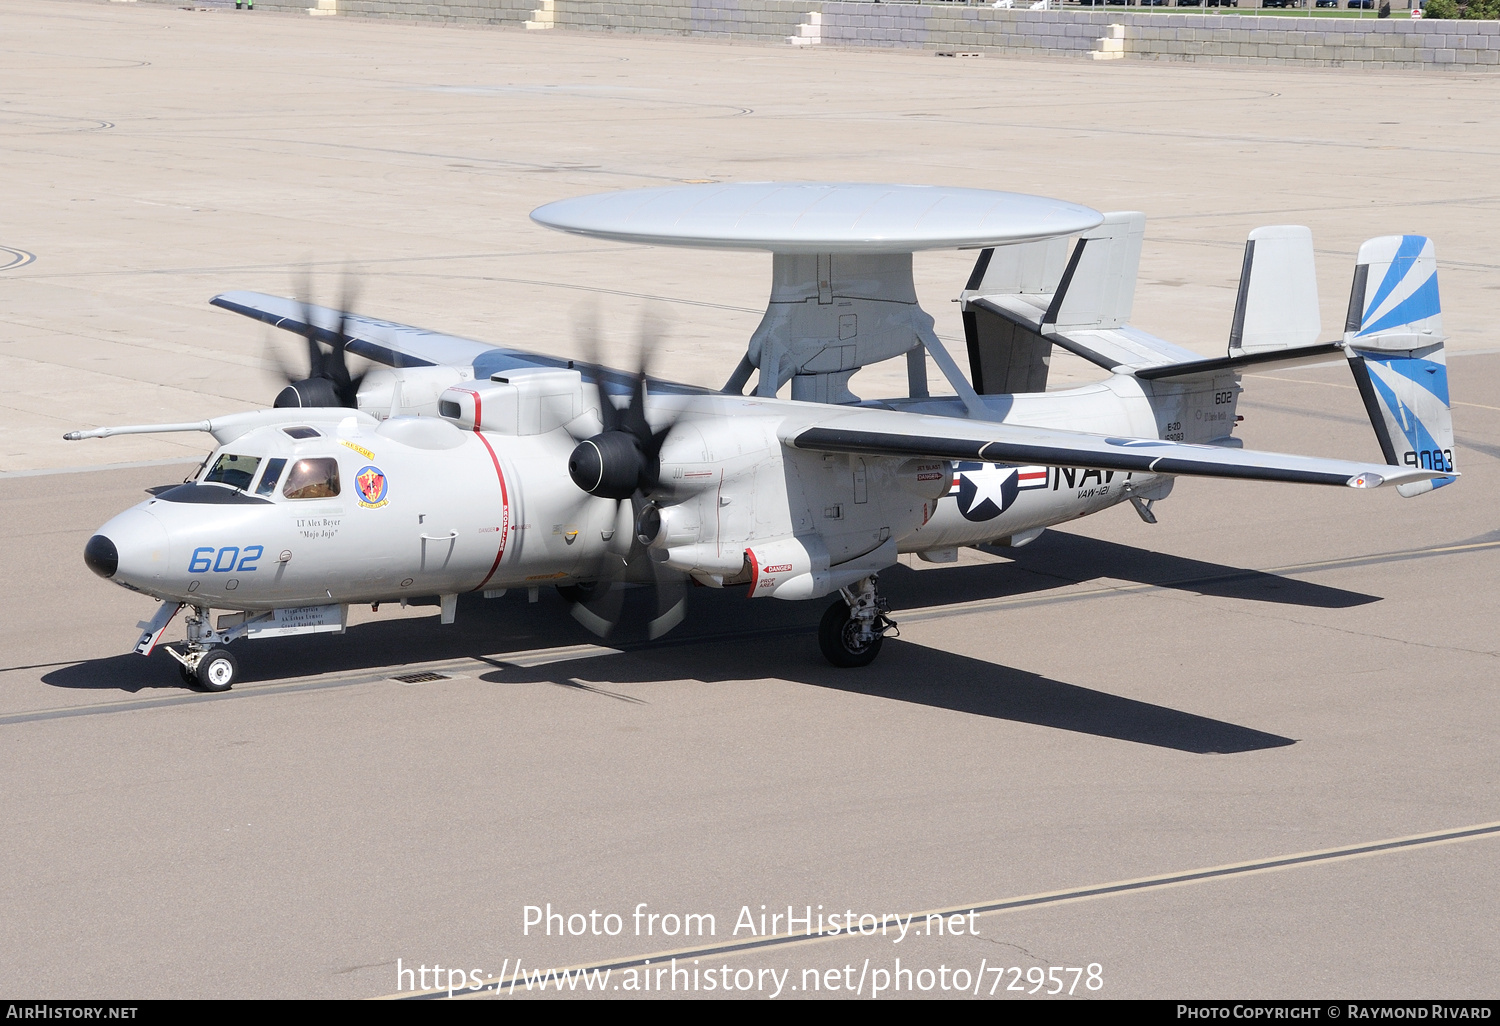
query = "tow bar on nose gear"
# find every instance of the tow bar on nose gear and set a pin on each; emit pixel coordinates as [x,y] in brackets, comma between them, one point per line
[854,627]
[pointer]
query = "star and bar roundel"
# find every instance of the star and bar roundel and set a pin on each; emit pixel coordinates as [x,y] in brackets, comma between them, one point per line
[985,490]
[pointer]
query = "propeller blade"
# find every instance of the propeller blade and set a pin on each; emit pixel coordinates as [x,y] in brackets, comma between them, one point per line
[309,330]
[587,333]
[671,599]
[273,357]
[347,387]
[601,613]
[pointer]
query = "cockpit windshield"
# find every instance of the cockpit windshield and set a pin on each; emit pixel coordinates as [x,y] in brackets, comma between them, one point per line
[234,470]
[312,479]
[270,477]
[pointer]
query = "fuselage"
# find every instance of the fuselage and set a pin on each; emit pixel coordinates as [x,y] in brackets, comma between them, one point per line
[343,508]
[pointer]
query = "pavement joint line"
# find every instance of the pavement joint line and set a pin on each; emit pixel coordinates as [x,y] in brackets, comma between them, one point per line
[1340,384]
[532,658]
[1000,906]
[49,471]
[317,683]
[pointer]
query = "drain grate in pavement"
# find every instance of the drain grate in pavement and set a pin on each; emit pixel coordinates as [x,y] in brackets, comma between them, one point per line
[425,677]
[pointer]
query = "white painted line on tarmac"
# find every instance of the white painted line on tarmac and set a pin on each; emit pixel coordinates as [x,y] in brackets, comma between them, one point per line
[1458,835]
[546,656]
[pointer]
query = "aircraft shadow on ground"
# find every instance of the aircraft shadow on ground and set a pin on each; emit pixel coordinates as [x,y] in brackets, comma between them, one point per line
[914,674]
[1057,560]
[723,631]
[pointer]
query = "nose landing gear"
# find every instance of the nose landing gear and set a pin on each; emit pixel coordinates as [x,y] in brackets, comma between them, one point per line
[205,664]
[853,627]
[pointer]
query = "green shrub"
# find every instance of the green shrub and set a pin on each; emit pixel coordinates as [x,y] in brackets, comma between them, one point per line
[1481,10]
[1439,9]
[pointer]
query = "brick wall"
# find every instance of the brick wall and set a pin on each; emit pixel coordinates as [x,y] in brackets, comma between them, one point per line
[1396,42]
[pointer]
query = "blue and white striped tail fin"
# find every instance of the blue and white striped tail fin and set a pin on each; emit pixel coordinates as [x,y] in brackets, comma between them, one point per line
[1394,341]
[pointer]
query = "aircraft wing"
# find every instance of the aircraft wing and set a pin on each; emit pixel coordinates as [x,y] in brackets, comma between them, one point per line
[401,345]
[889,433]
[385,342]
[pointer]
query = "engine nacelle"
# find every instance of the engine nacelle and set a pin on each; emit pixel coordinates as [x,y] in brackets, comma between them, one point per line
[797,568]
[523,401]
[929,479]
[407,391]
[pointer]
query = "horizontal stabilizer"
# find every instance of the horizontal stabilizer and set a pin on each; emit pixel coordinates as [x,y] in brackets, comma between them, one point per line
[1239,361]
[1277,305]
[1394,341]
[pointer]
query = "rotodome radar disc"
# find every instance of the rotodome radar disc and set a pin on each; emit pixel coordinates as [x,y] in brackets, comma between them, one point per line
[818,217]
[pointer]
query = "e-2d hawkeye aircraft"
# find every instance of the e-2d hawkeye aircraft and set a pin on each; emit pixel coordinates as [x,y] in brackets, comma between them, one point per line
[453,466]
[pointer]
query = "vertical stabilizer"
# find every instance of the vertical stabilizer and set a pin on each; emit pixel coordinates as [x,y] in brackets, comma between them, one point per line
[1030,268]
[1393,338]
[1098,287]
[1006,353]
[1277,305]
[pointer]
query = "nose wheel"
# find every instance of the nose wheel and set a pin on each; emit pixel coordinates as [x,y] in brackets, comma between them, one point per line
[854,627]
[217,670]
[213,670]
[205,664]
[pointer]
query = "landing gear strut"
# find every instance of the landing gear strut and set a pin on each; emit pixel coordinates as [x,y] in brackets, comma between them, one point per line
[853,627]
[206,663]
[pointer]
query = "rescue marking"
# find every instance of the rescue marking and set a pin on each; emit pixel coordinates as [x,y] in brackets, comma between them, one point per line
[366,453]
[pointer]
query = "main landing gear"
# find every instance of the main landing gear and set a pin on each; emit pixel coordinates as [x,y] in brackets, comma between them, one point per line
[205,664]
[853,627]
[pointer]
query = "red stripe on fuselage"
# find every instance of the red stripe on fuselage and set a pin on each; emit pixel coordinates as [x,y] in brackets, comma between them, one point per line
[504,492]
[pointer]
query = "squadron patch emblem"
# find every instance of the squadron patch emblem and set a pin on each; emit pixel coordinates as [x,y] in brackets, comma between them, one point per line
[371,484]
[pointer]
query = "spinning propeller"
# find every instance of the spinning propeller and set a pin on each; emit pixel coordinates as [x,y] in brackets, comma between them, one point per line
[623,462]
[328,381]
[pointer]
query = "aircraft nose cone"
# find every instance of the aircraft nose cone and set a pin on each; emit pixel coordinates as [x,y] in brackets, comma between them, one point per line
[129,550]
[101,556]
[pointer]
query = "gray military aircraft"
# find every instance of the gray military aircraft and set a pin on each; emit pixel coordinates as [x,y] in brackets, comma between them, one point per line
[452,466]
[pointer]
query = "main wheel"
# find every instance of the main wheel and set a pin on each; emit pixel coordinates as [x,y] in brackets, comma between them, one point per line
[217,670]
[838,637]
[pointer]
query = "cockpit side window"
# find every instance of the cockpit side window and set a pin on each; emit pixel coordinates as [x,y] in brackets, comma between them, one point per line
[312,479]
[234,470]
[270,477]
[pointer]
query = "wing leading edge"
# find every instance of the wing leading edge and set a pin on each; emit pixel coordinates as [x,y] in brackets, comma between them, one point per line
[384,342]
[400,345]
[872,433]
